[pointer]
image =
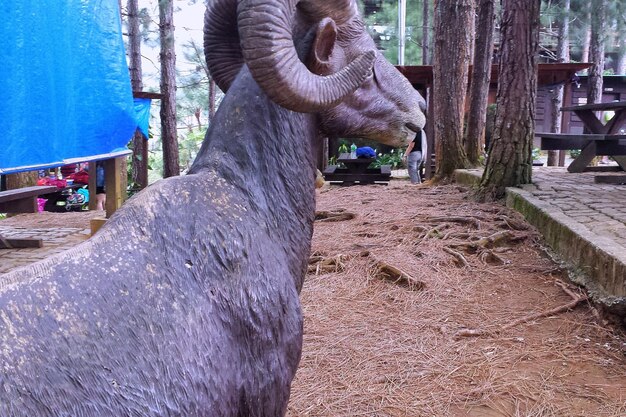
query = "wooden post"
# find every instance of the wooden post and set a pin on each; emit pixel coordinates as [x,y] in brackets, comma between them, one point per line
[92,185]
[113,183]
[430,133]
[123,172]
[567,116]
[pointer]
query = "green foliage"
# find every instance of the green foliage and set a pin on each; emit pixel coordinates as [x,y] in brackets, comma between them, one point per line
[553,12]
[393,158]
[383,26]
[536,153]
[574,153]
[189,146]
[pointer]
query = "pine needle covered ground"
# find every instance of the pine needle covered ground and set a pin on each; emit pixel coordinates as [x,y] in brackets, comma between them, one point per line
[421,302]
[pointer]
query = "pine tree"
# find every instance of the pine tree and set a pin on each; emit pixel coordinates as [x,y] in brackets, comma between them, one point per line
[139,170]
[481,75]
[171,166]
[383,23]
[510,154]
[450,70]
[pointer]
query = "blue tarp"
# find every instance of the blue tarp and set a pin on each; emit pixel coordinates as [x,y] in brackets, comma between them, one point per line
[66,90]
[142,112]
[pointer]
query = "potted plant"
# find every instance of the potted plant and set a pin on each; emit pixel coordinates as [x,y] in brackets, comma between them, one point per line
[536,157]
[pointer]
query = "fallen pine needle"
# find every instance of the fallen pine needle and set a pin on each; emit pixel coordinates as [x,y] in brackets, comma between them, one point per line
[551,312]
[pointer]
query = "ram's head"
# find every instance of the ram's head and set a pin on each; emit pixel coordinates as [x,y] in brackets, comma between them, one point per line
[314,56]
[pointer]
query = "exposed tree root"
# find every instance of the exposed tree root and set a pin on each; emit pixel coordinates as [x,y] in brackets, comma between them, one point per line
[367,234]
[576,299]
[338,215]
[514,224]
[318,264]
[460,259]
[475,223]
[384,271]
[502,238]
[489,257]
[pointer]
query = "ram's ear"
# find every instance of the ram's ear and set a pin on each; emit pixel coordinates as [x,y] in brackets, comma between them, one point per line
[321,55]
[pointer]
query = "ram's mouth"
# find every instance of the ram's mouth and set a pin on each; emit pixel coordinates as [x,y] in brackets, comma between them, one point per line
[413,127]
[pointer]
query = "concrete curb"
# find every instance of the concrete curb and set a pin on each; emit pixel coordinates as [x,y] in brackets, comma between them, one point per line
[597,262]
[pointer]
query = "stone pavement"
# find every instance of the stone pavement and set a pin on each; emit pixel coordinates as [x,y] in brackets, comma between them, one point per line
[55,240]
[583,222]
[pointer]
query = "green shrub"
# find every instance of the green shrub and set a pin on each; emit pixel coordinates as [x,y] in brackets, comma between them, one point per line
[393,158]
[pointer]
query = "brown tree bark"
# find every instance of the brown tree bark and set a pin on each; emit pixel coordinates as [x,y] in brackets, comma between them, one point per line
[451,64]
[510,156]
[169,138]
[212,94]
[621,41]
[425,33]
[21,180]
[587,39]
[596,52]
[479,86]
[620,25]
[562,53]
[139,169]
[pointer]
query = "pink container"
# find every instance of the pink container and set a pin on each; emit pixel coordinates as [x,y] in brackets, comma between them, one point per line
[41,202]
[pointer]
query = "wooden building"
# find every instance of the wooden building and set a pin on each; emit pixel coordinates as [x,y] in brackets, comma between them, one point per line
[549,76]
[614,89]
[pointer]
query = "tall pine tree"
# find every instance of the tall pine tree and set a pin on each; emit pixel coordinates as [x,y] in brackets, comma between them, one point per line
[450,70]
[169,135]
[510,154]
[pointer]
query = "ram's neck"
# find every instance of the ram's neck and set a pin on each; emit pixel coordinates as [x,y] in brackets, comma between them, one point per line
[267,152]
[252,142]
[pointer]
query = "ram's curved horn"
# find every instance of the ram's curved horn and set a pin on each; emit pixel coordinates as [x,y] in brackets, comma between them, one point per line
[259,32]
[222,50]
[265,28]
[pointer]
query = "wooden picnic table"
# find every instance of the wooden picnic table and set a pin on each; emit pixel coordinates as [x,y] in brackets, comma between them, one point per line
[23,200]
[602,139]
[356,170]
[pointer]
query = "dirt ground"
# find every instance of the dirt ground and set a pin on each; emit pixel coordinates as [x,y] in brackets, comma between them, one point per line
[46,219]
[421,302]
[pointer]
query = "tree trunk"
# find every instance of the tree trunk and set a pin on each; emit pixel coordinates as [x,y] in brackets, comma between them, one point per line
[425,34]
[21,180]
[212,93]
[510,156]
[562,53]
[587,39]
[169,137]
[479,86]
[620,26]
[621,51]
[472,31]
[452,22]
[140,145]
[596,50]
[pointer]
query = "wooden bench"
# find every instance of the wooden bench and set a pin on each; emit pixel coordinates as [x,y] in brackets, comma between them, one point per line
[23,200]
[334,174]
[591,145]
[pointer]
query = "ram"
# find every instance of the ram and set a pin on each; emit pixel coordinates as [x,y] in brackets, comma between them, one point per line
[187,302]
